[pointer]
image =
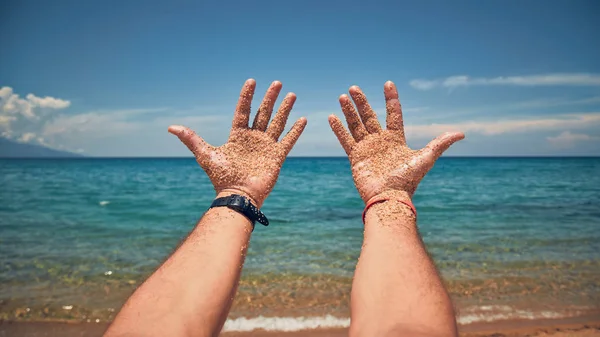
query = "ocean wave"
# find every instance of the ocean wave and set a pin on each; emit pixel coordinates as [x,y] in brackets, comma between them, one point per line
[285,323]
[486,313]
[491,313]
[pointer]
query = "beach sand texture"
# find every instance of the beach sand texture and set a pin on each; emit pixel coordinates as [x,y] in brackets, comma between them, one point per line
[588,326]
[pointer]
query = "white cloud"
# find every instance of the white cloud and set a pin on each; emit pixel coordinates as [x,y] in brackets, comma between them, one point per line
[28,120]
[565,79]
[567,139]
[92,124]
[487,135]
[108,133]
[424,84]
[561,122]
[27,137]
[29,107]
[415,109]
[143,131]
[444,113]
[552,102]
[100,124]
[22,118]
[47,102]
[5,120]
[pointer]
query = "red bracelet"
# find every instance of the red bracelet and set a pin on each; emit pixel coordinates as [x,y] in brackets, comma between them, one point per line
[377,199]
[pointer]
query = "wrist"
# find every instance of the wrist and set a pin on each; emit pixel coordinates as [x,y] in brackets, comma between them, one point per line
[391,194]
[242,203]
[230,191]
[235,206]
[390,207]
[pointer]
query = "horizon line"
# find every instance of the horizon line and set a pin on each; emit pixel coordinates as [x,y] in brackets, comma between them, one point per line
[298,157]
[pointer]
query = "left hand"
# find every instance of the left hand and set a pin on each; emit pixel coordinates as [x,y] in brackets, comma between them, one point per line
[382,163]
[250,161]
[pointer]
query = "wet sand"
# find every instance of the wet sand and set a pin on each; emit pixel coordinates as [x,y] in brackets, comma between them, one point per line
[577,326]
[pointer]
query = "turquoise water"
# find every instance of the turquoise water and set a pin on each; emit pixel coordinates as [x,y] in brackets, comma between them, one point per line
[85,232]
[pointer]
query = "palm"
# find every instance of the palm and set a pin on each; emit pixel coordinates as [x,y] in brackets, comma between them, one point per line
[369,171]
[250,161]
[380,159]
[236,160]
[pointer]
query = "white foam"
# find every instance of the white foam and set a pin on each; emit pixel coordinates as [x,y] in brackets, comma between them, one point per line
[285,323]
[486,313]
[491,313]
[104,203]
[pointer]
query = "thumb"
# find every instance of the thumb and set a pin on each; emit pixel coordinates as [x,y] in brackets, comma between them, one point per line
[195,143]
[441,143]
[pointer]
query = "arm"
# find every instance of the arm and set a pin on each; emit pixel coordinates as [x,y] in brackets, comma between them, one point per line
[396,289]
[192,292]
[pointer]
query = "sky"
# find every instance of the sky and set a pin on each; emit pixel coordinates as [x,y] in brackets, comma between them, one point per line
[106,78]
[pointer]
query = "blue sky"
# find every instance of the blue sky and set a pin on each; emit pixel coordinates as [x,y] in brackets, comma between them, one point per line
[107,78]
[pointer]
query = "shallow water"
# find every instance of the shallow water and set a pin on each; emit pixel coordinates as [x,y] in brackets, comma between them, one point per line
[516,233]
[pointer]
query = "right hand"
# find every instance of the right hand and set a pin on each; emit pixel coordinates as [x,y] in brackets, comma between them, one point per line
[380,159]
[250,161]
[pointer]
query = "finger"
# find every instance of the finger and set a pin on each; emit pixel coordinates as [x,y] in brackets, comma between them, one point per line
[242,110]
[266,107]
[195,143]
[356,127]
[278,123]
[440,144]
[394,119]
[342,135]
[368,116]
[290,139]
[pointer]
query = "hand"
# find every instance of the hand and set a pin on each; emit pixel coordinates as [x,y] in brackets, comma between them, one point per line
[380,159]
[250,161]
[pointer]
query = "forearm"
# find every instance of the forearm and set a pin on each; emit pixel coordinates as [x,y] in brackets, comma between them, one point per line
[191,293]
[396,288]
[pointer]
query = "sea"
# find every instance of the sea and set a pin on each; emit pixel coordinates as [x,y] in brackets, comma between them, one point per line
[513,238]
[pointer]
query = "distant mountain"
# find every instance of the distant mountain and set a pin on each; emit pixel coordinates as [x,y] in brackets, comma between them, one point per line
[12,149]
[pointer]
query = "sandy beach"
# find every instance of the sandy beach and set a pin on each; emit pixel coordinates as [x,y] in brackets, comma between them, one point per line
[588,325]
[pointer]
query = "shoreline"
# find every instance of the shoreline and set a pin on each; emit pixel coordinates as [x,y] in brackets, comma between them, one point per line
[587,325]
